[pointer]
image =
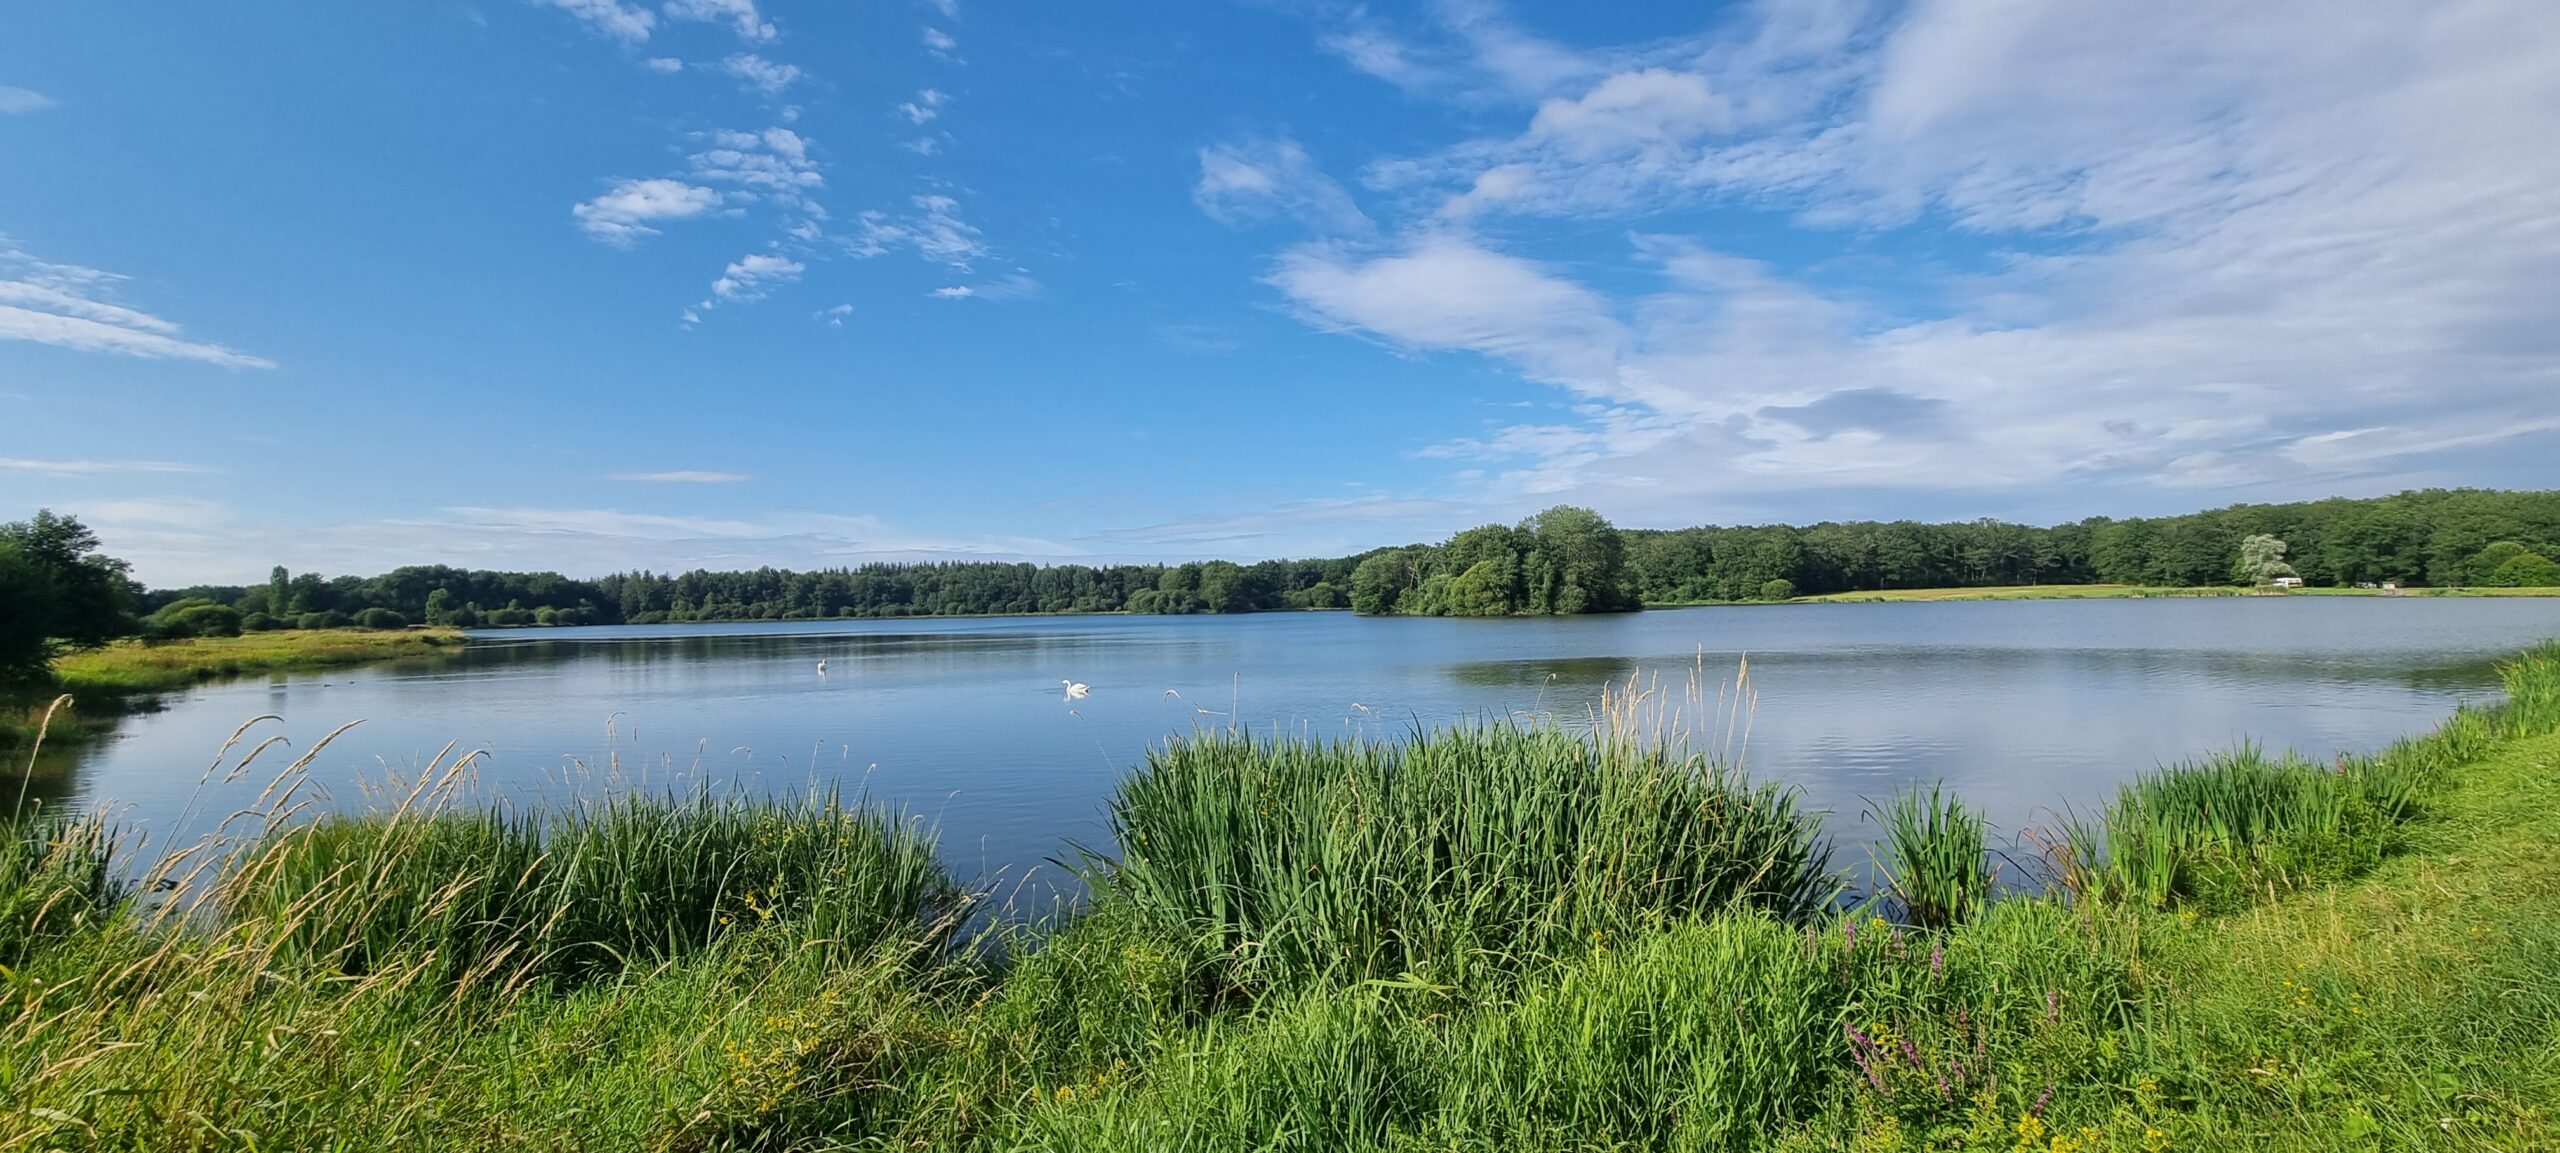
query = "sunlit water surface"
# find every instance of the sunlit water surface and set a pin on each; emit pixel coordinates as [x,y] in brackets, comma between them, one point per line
[2026,707]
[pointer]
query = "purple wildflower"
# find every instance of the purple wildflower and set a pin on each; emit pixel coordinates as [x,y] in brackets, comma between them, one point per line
[1937,960]
[2052,1005]
[2038,1108]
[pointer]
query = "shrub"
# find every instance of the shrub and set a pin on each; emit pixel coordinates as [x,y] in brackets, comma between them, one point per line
[380,619]
[1778,590]
[262,623]
[194,617]
[331,619]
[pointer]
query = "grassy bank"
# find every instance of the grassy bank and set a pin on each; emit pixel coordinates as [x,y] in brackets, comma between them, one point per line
[2126,592]
[135,666]
[1512,940]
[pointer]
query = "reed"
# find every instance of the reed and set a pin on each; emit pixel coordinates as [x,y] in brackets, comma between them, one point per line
[479,894]
[1934,861]
[58,876]
[1450,857]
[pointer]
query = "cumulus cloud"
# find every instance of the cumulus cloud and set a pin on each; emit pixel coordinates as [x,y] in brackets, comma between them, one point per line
[628,210]
[610,17]
[1259,179]
[740,15]
[752,276]
[927,105]
[939,42]
[663,64]
[760,74]
[70,306]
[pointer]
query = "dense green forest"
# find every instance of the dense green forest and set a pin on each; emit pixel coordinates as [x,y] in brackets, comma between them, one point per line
[54,583]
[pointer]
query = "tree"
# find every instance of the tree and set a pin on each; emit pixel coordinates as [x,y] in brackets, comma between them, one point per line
[2262,560]
[26,613]
[2525,570]
[1576,563]
[279,589]
[1379,582]
[1780,589]
[92,595]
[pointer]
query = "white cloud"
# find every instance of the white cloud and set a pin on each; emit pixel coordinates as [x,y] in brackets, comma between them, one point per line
[752,276]
[1016,285]
[936,232]
[19,101]
[176,541]
[950,9]
[97,467]
[2169,246]
[939,42]
[626,211]
[773,163]
[683,476]
[1248,180]
[66,305]
[664,64]
[758,73]
[610,17]
[741,15]
[927,105]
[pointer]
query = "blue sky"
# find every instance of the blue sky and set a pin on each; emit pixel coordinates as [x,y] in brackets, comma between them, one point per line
[596,284]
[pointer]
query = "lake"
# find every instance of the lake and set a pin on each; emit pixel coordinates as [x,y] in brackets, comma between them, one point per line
[2027,707]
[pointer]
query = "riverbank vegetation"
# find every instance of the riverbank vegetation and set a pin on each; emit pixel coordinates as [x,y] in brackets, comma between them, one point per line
[149,666]
[1501,939]
[2438,538]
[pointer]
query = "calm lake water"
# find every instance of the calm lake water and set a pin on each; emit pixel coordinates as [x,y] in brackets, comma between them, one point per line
[2024,706]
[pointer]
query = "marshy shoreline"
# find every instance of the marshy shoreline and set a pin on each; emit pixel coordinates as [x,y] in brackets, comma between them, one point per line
[1503,937]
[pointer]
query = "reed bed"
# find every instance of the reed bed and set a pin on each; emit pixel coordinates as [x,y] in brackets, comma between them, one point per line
[595,888]
[1935,864]
[1449,856]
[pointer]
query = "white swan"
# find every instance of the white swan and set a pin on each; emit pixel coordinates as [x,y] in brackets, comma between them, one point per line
[1076,690]
[822,667]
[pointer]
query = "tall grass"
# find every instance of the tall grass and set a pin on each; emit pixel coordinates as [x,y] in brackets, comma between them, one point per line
[1450,856]
[57,877]
[2216,830]
[598,887]
[1934,862]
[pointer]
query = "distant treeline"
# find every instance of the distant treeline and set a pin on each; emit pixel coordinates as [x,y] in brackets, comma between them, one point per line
[1564,560]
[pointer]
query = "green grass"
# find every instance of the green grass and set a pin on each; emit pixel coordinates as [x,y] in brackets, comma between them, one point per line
[134,666]
[442,978]
[2124,592]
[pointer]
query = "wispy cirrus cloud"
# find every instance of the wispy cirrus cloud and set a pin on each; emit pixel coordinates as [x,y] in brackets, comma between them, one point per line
[69,306]
[178,540]
[683,476]
[20,101]
[99,467]
[1262,178]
